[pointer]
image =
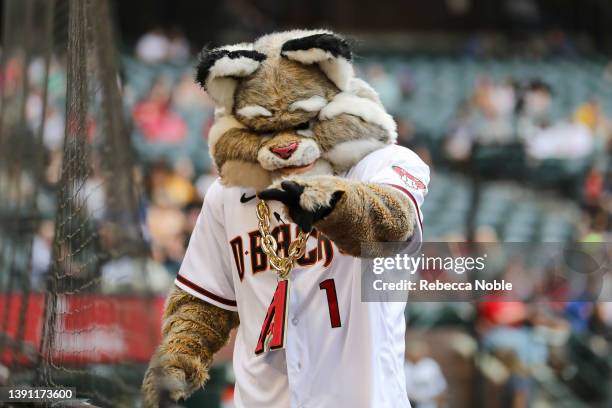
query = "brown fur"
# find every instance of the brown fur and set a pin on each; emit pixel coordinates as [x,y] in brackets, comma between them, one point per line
[237,144]
[277,84]
[192,332]
[236,172]
[329,133]
[368,213]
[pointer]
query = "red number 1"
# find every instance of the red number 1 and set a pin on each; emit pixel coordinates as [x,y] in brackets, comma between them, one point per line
[332,301]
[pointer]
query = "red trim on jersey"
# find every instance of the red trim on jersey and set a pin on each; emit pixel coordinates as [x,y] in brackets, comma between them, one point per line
[409,194]
[204,292]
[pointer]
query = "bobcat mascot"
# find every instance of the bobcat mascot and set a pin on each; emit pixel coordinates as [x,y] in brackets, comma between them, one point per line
[295,127]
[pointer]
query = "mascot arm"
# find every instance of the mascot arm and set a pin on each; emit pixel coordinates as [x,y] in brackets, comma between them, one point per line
[193,331]
[348,212]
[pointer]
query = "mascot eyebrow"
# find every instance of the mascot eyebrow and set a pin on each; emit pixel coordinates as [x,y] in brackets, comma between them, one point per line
[219,70]
[208,59]
[337,47]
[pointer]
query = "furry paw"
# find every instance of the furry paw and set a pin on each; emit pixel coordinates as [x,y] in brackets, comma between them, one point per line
[308,200]
[165,382]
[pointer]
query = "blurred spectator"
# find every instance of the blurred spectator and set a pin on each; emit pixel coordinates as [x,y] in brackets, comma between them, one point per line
[34,108]
[598,227]
[188,96]
[601,320]
[170,188]
[53,132]
[127,273]
[192,212]
[517,390]
[154,116]
[589,114]
[386,85]
[153,47]
[405,132]
[160,45]
[206,180]
[168,219]
[496,102]
[502,325]
[41,253]
[406,81]
[462,135]
[178,46]
[166,228]
[425,381]
[534,108]
[593,189]
[131,274]
[502,98]
[561,141]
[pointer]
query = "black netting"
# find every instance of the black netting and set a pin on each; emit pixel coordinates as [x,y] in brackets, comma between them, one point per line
[75,305]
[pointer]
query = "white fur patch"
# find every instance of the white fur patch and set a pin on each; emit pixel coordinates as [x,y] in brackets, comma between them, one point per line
[321,168]
[359,87]
[308,57]
[237,47]
[306,133]
[221,83]
[366,109]
[346,154]
[252,111]
[221,90]
[227,66]
[307,152]
[313,104]
[221,125]
[339,70]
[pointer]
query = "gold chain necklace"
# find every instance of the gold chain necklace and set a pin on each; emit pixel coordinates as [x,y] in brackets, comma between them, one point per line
[274,328]
[297,248]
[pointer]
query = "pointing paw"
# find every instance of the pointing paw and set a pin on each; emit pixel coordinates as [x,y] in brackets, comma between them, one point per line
[308,200]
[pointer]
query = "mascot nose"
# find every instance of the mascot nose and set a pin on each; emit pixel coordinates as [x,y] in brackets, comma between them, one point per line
[285,152]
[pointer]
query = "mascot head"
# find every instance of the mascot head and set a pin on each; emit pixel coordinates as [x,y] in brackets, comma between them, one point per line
[289,103]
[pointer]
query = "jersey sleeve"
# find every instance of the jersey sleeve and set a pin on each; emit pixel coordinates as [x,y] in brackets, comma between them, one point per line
[403,170]
[205,272]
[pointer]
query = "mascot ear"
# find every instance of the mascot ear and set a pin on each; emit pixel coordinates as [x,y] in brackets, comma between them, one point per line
[219,70]
[331,52]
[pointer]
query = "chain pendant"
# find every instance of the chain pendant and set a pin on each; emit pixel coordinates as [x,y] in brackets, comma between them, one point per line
[274,328]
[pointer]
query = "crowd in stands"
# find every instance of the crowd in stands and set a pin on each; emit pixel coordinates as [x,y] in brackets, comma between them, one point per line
[493,112]
[171,116]
[163,45]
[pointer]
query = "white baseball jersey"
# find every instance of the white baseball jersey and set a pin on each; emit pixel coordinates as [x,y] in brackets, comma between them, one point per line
[339,351]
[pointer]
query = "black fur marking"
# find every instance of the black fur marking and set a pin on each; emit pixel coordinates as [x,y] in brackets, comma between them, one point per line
[289,194]
[335,45]
[207,58]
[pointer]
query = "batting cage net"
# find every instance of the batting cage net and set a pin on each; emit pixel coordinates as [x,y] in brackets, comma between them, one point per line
[75,301]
